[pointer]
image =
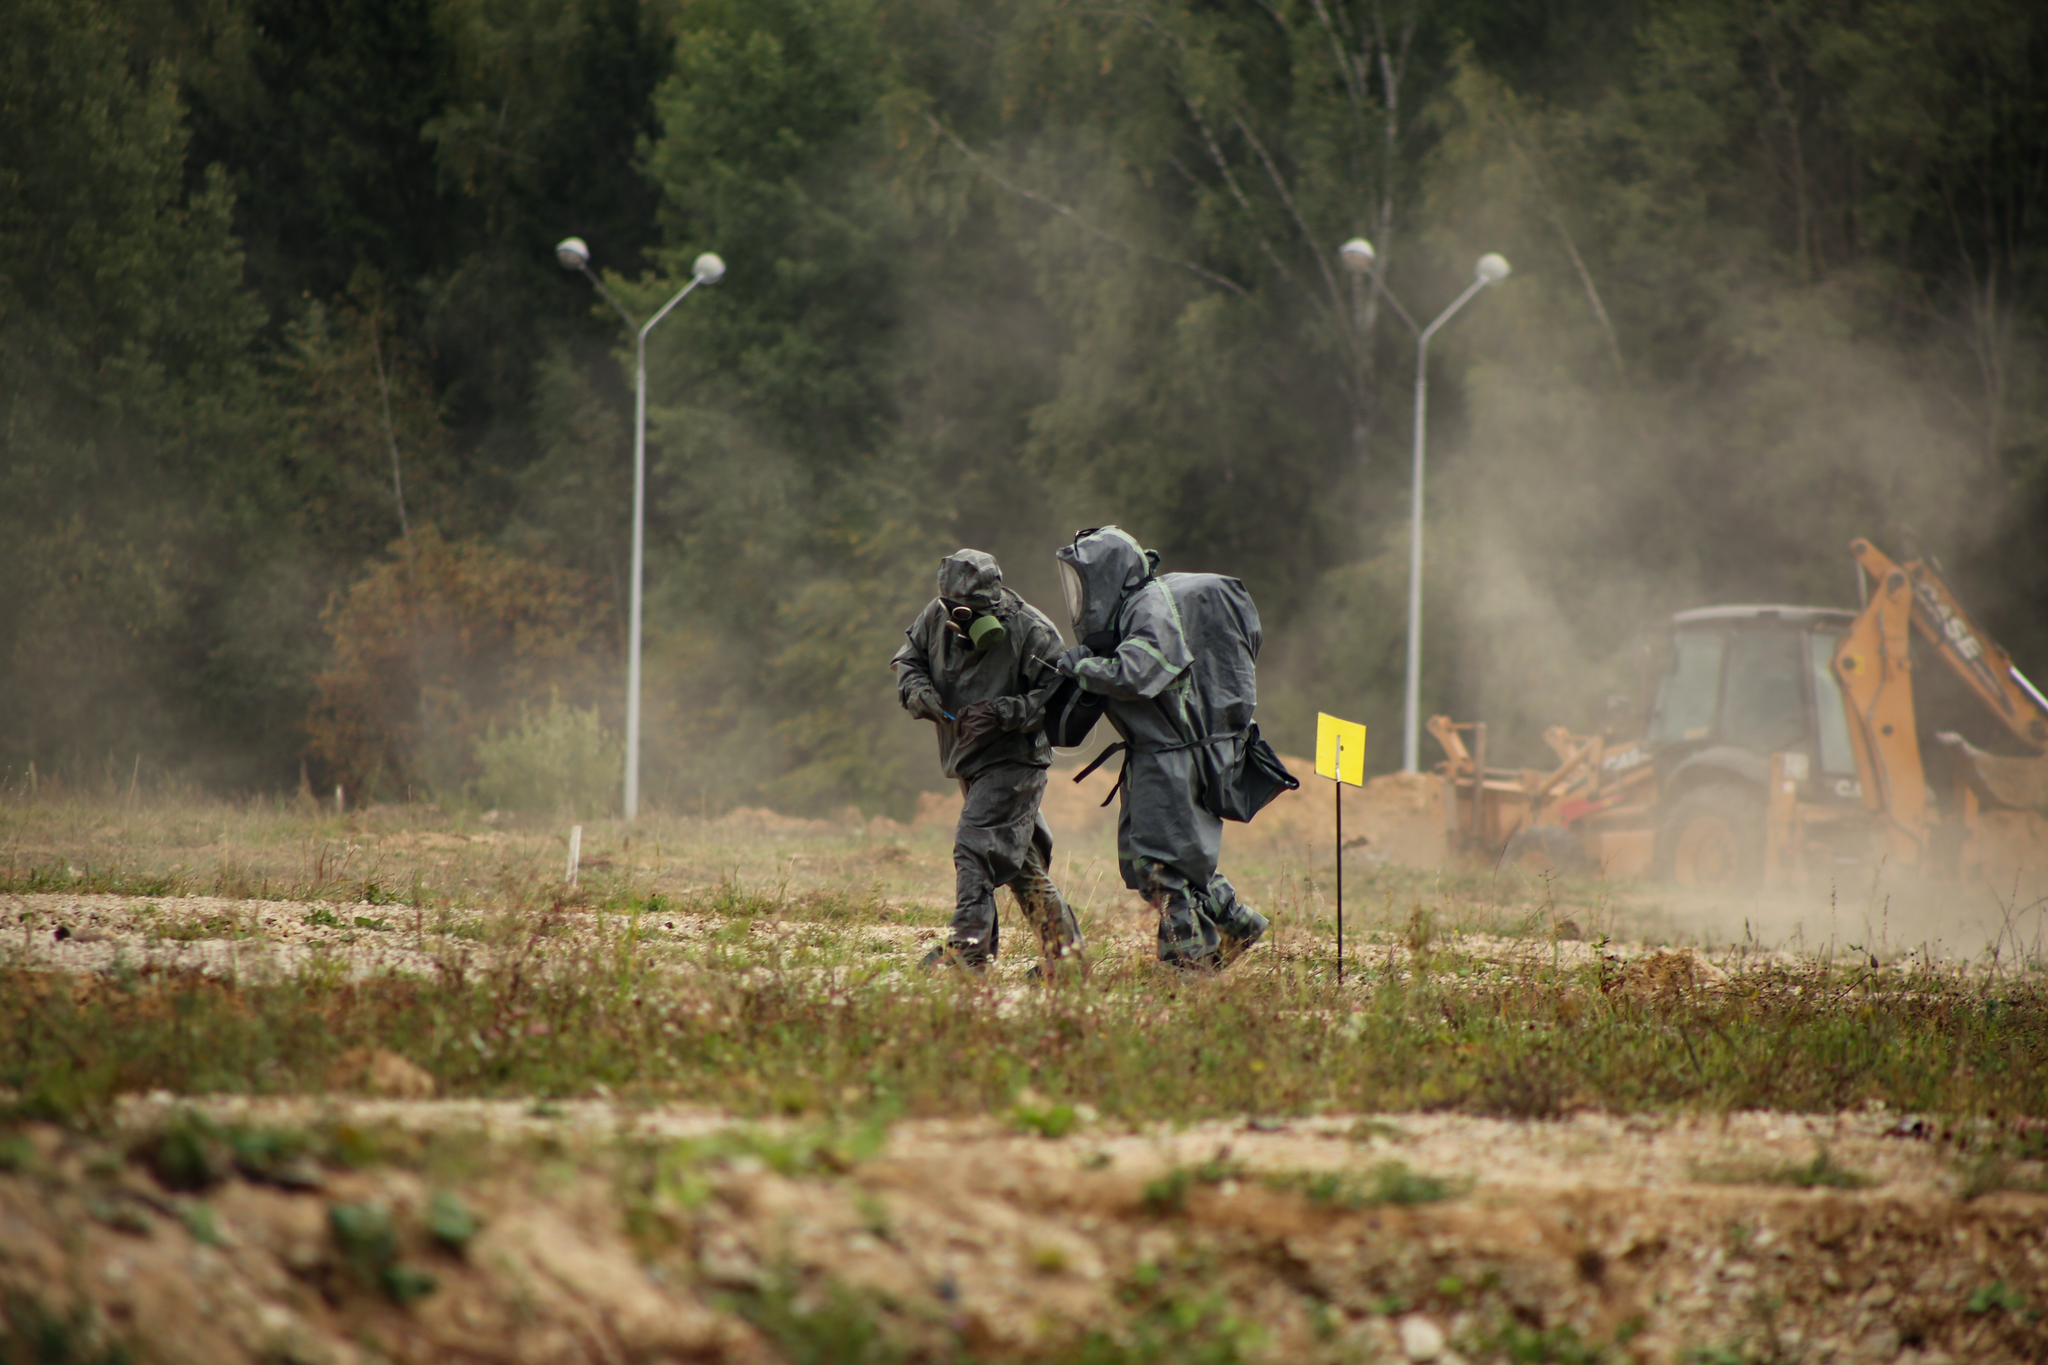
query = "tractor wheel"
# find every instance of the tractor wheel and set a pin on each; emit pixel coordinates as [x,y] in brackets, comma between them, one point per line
[1713,837]
[1546,849]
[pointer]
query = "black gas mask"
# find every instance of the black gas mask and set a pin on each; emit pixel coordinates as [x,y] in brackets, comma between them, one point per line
[982,631]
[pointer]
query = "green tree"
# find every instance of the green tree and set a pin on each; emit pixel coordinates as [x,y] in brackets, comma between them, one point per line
[366,431]
[782,473]
[126,386]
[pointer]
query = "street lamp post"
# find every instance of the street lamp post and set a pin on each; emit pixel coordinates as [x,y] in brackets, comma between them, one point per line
[574,255]
[1359,258]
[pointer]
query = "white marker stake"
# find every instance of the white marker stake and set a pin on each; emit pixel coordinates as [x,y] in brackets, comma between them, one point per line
[1340,865]
[337,799]
[575,851]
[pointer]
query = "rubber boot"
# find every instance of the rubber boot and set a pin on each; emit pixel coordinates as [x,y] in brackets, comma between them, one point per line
[1238,926]
[951,955]
[1187,937]
[1234,940]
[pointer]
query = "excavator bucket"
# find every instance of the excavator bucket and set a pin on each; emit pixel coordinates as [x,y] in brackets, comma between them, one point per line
[2018,783]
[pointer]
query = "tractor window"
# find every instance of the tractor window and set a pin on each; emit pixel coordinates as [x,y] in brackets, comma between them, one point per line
[1836,757]
[1684,709]
[1764,709]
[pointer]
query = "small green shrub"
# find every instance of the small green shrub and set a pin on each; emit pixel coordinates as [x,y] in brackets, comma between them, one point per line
[552,758]
[17,1153]
[1169,1193]
[1390,1182]
[1559,1345]
[450,1221]
[29,1331]
[1995,1298]
[188,1154]
[1822,1172]
[845,1328]
[364,1235]
[1048,1120]
[198,1218]
[368,1242]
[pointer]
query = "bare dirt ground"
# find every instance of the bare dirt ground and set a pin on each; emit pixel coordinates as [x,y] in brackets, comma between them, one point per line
[608,1233]
[591,1229]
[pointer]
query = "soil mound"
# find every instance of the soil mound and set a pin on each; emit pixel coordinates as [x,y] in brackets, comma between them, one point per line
[482,1232]
[1395,817]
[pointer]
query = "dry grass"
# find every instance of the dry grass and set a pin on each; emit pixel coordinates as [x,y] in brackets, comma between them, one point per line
[767,966]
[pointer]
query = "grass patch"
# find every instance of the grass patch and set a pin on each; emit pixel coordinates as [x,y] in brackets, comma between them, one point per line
[1522,1344]
[1822,1172]
[1390,1182]
[778,999]
[30,1331]
[1168,1195]
[64,878]
[843,1328]
[787,1028]
[1994,1298]
[202,928]
[1046,1120]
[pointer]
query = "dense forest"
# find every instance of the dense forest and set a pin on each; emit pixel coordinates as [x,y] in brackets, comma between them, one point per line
[317,465]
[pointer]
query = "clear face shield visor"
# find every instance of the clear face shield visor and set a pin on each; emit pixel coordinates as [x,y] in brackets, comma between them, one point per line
[1076,594]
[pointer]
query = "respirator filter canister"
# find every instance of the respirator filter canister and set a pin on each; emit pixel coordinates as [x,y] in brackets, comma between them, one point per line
[983,632]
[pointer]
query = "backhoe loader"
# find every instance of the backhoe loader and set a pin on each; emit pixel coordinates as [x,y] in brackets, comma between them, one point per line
[1782,746]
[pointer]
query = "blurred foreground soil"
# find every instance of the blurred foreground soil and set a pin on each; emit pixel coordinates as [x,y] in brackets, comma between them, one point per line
[596,1233]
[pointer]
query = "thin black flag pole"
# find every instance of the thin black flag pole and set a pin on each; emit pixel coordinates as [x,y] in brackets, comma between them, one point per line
[1340,862]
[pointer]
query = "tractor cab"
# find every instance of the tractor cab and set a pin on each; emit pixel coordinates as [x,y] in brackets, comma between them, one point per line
[1738,686]
[1742,683]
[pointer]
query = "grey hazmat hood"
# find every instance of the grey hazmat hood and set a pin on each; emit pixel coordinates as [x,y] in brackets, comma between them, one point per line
[972,577]
[1101,567]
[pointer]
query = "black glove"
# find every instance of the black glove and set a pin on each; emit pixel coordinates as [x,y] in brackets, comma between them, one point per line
[924,703]
[1073,657]
[977,720]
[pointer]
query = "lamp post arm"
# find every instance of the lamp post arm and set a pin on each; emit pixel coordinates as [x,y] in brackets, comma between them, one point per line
[1456,304]
[694,282]
[609,298]
[1380,286]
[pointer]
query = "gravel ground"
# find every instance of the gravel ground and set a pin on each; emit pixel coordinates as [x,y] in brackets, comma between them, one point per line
[103,933]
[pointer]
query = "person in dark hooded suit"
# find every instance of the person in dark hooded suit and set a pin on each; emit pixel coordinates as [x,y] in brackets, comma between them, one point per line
[1137,654]
[978,663]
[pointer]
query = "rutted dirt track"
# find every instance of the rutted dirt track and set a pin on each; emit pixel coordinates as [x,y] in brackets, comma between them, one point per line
[600,1238]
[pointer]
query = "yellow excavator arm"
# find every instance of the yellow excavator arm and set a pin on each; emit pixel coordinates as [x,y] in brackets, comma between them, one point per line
[1875,668]
[1985,668]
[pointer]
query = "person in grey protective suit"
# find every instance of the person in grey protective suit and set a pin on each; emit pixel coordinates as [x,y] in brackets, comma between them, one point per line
[1136,653]
[979,663]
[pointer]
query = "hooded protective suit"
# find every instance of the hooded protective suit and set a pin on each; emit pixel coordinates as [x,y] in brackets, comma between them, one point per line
[1138,653]
[989,705]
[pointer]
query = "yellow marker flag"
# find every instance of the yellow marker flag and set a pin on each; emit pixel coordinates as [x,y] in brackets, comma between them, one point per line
[1347,766]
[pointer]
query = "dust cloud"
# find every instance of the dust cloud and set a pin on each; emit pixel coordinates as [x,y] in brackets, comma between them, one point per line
[1884,919]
